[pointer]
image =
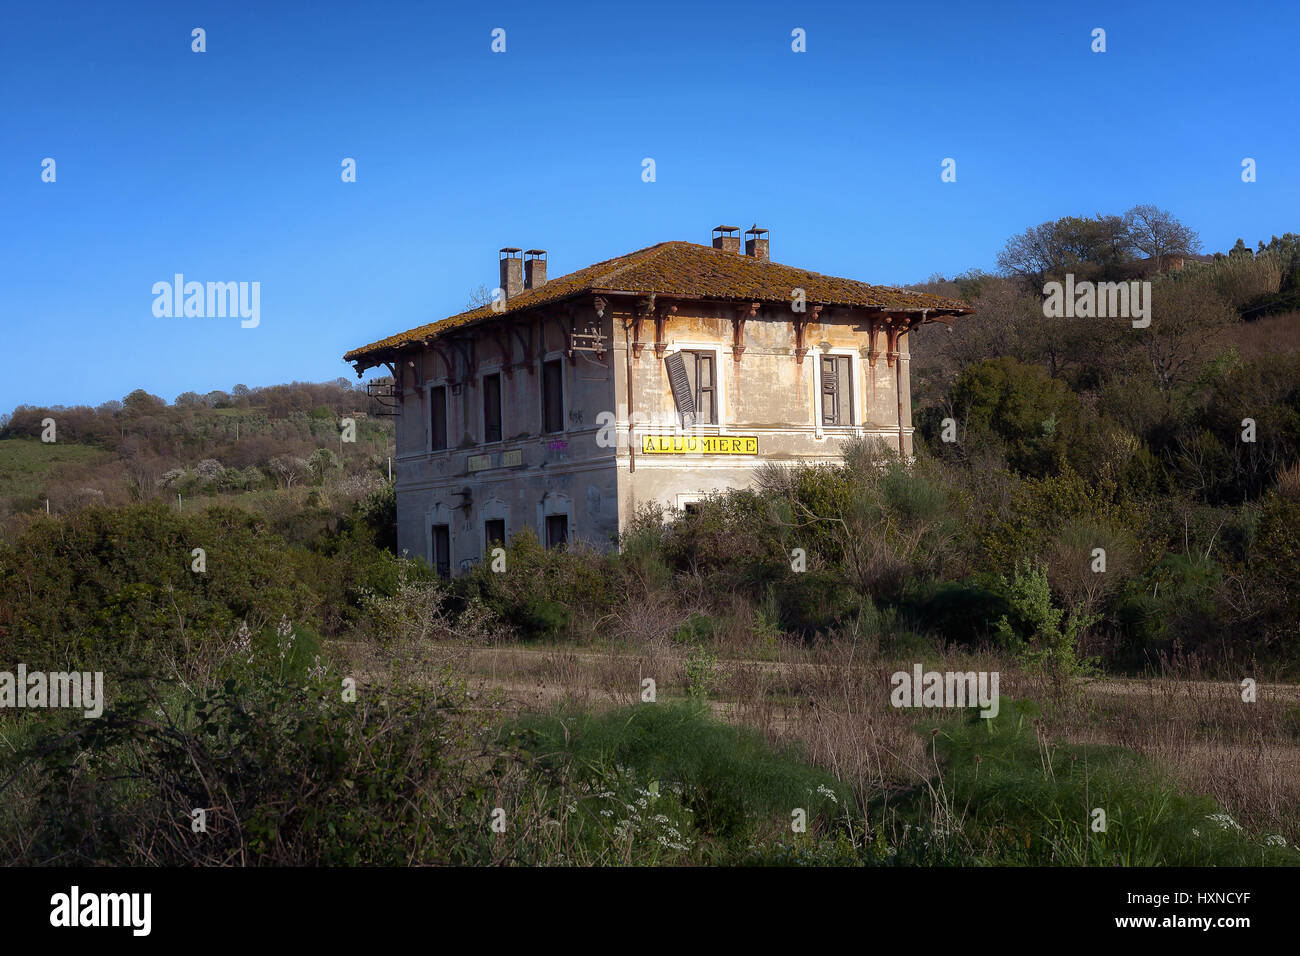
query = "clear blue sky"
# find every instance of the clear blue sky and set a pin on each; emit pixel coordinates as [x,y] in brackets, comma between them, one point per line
[225,166]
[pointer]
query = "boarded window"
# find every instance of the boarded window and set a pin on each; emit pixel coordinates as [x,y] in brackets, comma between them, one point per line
[837,390]
[692,378]
[494,532]
[491,408]
[438,417]
[557,530]
[442,550]
[553,396]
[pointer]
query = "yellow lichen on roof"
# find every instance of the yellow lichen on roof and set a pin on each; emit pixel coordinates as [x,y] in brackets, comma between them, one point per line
[690,270]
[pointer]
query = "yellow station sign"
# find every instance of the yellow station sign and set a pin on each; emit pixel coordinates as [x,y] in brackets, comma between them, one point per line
[699,444]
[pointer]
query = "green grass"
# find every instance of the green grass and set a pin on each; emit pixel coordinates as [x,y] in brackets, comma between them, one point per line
[26,465]
[1004,796]
[658,765]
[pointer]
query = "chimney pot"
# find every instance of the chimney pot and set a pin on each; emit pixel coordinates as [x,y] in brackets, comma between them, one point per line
[726,238]
[756,243]
[512,271]
[534,268]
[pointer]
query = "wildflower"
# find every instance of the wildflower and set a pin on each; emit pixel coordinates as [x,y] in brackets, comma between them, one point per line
[1275,839]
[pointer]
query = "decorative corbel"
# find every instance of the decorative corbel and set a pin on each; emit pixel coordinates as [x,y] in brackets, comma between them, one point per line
[873,353]
[643,309]
[502,340]
[662,315]
[800,326]
[465,348]
[895,326]
[526,344]
[415,361]
[743,314]
[567,330]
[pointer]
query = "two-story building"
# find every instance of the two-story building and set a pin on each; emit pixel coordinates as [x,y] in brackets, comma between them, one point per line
[662,375]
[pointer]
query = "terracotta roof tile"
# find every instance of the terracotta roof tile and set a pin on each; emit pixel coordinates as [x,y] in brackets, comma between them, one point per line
[689,270]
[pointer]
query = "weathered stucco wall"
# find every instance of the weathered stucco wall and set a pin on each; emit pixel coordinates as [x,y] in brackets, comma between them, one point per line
[768,395]
[524,477]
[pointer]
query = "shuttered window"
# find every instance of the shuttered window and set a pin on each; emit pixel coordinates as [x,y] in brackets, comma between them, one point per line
[692,378]
[438,417]
[491,408]
[553,396]
[837,390]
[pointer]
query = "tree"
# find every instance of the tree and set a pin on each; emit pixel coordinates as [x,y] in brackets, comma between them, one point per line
[1155,233]
[479,297]
[289,469]
[142,401]
[322,462]
[188,400]
[1187,317]
[1088,247]
[1035,419]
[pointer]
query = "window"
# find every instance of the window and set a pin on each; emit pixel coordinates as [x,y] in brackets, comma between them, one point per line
[438,418]
[442,550]
[691,376]
[494,532]
[491,408]
[553,396]
[837,390]
[557,530]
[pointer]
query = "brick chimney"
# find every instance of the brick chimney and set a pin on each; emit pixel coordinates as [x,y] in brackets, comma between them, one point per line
[756,243]
[534,268]
[726,238]
[512,271]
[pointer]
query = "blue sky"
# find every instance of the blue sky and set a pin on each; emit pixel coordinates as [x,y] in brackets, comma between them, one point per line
[225,165]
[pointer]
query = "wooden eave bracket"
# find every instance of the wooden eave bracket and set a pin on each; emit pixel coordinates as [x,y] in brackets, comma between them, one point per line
[502,340]
[526,344]
[567,330]
[800,327]
[465,348]
[743,314]
[643,309]
[662,315]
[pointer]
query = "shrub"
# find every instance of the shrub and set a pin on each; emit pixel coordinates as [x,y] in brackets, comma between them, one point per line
[1036,629]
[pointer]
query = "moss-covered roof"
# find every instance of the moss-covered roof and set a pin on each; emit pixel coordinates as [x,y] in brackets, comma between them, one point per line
[689,270]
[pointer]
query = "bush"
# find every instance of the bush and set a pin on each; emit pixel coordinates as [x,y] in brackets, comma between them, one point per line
[1037,630]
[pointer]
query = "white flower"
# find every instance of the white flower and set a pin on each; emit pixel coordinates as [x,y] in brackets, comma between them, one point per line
[1275,839]
[1224,821]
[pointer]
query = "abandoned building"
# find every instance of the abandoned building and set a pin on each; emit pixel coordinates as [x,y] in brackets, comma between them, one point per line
[565,404]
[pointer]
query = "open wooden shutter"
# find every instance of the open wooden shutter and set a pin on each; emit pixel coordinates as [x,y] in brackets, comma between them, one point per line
[830,392]
[681,386]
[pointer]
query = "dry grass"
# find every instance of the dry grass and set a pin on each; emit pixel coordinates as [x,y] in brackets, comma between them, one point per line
[833,699]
